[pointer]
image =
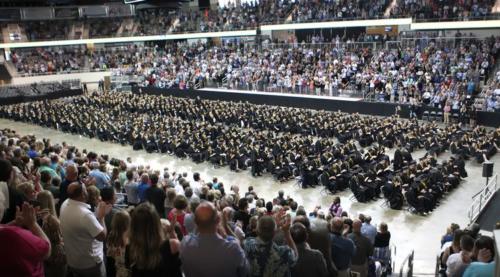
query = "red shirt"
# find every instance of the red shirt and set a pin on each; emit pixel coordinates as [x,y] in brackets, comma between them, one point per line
[179,219]
[22,253]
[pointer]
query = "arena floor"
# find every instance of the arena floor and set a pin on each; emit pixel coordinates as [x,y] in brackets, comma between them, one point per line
[409,231]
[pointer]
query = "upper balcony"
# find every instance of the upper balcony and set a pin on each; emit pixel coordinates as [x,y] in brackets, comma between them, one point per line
[118,20]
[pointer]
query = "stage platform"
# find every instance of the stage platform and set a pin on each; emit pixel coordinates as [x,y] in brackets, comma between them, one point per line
[264,93]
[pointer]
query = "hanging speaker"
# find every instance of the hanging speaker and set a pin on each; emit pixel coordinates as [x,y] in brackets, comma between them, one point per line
[487,169]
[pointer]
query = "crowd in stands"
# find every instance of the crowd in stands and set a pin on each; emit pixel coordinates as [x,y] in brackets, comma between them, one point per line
[425,73]
[156,21]
[49,60]
[65,210]
[443,9]
[280,141]
[466,252]
[431,75]
[328,10]
[489,99]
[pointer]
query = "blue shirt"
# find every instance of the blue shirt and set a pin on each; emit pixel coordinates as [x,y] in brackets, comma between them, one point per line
[141,191]
[343,250]
[207,255]
[62,171]
[32,154]
[101,178]
[131,188]
[369,231]
[478,269]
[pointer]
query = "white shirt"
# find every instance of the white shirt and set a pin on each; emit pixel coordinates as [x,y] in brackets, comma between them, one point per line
[79,228]
[4,198]
[196,185]
[179,189]
[455,266]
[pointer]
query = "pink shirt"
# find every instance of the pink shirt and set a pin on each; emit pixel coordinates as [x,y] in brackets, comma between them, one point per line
[22,252]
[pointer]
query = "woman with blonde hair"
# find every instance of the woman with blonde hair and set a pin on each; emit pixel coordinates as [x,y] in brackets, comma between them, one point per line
[116,244]
[47,203]
[152,250]
[94,194]
[27,190]
[55,265]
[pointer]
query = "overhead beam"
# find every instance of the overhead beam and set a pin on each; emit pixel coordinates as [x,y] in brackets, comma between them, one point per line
[454,25]
[127,39]
[337,24]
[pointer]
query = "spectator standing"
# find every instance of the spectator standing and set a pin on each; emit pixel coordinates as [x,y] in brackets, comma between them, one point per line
[311,261]
[381,251]
[178,214]
[207,253]
[116,243]
[55,265]
[83,233]
[108,196]
[343,249]
[131,189]
[242,213]
[156,196]
[142,187]
[369,230]
[71,176]
[446,112]
[153,250]
[266,258]
[24,244]
[101,178]
[364,249]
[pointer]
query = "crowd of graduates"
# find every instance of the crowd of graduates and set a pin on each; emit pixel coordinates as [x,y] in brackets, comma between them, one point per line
[332,149]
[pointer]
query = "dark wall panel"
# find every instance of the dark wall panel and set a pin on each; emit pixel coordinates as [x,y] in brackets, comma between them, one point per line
[370,108]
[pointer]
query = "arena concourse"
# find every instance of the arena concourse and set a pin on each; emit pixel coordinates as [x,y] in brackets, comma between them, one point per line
[249,138]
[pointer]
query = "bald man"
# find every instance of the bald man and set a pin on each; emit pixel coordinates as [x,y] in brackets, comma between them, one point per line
[364,249]
[83,232]
[343,249]
[207,253]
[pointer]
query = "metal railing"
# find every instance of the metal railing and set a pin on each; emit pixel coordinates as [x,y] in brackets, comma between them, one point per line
[481,199]
[496,236]
[407,265]
[302,89]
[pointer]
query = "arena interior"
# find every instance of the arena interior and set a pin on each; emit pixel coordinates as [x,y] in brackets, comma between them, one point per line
[206,138]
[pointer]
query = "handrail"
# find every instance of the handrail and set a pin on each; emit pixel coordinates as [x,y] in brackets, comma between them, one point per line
[408,260]
[480,201]
[496,236]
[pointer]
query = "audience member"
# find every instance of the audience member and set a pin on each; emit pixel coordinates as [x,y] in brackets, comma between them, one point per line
[116,244]
[310,261]
[364,249]
[24,244]
[83,232]
[207,253]
[156,195]
[266,258]
[343,249]
[153,249]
